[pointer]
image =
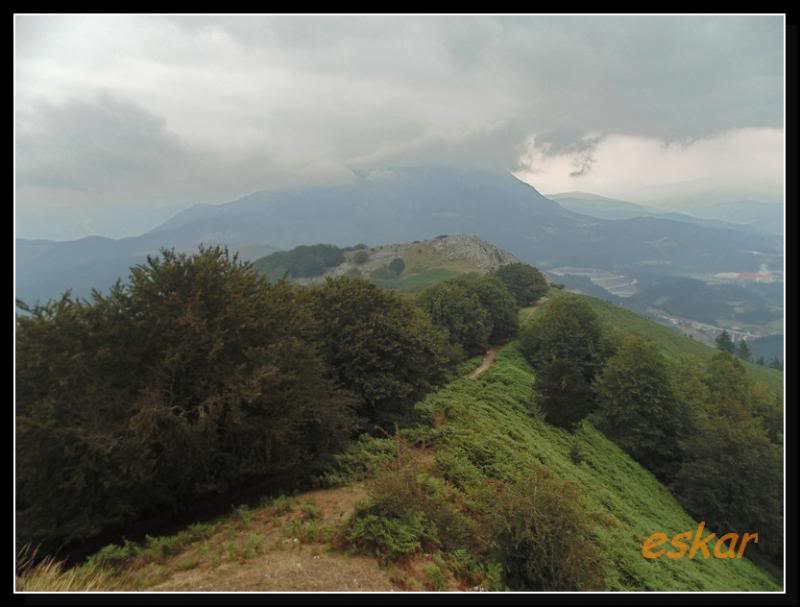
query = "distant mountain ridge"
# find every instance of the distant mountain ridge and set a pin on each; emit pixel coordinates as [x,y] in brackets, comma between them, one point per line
[742,216]
[402,205]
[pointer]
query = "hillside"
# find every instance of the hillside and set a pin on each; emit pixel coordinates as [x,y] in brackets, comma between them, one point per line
[425,262]
[472,433]
[672,343]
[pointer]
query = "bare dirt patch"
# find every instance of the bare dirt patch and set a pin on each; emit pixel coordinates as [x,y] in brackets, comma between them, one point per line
[488,360]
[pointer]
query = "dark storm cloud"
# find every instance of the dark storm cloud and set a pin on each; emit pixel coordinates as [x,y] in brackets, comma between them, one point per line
[141,109]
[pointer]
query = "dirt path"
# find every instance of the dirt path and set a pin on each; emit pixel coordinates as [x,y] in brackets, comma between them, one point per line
[488,359]
[491,354]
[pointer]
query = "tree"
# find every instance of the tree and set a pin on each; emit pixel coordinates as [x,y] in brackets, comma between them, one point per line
[760,361]
[497,300]
[380,346]
[567,348]
[193,379]
[733,480]
[564,396]
[743,350]
[457,310]
[776,363]
[567,330]
[525,282]
[397,265]
[638,409]
[361,257]
[724,342]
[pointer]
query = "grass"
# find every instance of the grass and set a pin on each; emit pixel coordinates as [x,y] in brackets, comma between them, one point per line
[473,433]
[489,434]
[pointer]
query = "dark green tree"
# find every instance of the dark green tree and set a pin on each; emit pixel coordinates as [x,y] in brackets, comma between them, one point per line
[497,300]
[743,350]
[564,396]
[725,343]
[525,282]
[733,480]
[380,346]
[361,257]
[567,330]
[776,363]
[457,310]
[638,409]
[397,265]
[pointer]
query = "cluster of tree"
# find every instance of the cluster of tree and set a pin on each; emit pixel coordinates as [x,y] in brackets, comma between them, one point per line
[708,431]
[741,349]
[199,377]
[474,311]
[301,262]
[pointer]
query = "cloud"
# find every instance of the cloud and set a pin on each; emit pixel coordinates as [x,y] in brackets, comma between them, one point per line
[735,164]
[141,110]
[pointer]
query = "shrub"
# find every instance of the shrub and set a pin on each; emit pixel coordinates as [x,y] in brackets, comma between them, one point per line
[390,538]
[542,537]
[361,257]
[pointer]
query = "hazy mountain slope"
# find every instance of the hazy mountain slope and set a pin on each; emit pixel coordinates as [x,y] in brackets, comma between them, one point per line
[45,269]
[610,208]
[767,217]
[409,204]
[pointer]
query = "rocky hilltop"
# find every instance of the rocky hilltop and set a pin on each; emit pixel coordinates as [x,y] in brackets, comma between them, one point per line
[456,253]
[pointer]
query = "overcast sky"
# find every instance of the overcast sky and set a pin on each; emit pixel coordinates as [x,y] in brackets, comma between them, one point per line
[122,120]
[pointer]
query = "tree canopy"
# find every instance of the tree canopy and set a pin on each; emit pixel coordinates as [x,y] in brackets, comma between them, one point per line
[525,282]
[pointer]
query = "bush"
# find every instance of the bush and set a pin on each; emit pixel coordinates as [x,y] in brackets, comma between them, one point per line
[543,537]
[361,257]
[525,282]
[390,538]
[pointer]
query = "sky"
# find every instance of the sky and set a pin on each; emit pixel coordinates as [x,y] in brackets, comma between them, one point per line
[122,120]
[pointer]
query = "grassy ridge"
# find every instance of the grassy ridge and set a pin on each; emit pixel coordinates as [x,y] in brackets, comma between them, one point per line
[479,430]
[489,433]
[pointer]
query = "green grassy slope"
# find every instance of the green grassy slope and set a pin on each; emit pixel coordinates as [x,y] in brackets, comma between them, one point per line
[673,344]
[488,433]
[477,430]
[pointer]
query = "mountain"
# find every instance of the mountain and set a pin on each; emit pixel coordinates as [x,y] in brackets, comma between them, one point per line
[610,208]
[763,216]
[401,205]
